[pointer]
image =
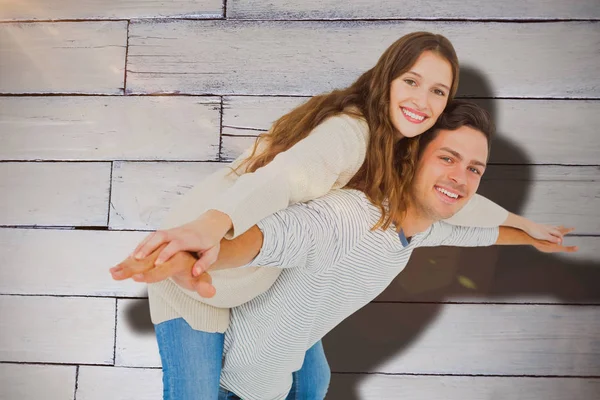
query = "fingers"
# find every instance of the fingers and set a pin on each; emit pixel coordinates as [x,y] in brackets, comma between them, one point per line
[180,263]
[150,244]
[141,244]
[129,268]
[204,287]
[169,251]
[207,259]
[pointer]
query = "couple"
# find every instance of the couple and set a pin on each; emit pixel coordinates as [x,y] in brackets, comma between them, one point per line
[338,252]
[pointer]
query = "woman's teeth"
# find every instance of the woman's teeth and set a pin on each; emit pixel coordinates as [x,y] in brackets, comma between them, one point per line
[413,115]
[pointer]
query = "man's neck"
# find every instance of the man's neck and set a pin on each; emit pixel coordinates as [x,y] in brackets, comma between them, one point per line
[414,223]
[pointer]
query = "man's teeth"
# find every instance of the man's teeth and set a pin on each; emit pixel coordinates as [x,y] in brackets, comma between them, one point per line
[413,115]
[447,193]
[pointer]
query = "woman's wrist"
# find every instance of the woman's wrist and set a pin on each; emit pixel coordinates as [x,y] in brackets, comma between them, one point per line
[220,221]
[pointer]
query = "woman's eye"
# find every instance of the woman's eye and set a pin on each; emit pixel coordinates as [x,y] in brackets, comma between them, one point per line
[410,82]
[439,92]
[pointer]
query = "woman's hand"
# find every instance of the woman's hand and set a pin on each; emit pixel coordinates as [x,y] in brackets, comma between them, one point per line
[549,233]
[179,268]
[553,247]
[202,235]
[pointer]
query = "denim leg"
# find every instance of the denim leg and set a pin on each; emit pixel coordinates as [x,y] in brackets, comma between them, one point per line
[312,380]
[191,361]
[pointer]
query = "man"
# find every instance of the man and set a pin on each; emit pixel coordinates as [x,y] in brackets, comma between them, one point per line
[333,262]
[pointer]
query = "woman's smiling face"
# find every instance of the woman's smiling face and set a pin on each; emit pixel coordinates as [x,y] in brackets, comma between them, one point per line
[418,96]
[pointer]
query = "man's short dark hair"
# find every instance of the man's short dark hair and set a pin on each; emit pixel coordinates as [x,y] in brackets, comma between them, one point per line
[457,114]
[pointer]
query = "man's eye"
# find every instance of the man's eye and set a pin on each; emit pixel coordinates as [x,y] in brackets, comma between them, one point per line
[475,171]
[447,159]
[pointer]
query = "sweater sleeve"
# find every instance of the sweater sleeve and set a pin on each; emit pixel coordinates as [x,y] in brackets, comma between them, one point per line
[479,212]
[333,151]
[443,234]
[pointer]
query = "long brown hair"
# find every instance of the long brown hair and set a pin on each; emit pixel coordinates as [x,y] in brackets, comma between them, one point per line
[389,164]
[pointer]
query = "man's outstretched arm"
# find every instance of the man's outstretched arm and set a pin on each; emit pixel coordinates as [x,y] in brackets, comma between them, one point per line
[513,236]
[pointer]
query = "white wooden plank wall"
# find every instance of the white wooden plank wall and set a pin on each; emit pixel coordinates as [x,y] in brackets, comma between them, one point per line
[111,111]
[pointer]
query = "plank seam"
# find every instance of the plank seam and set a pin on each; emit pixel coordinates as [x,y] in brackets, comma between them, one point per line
[372,302]
[334,372]
[76,382]
[115,338]
[110,204]
[180,94]
[467,375]
[126,58]
[221,112]
[212,17]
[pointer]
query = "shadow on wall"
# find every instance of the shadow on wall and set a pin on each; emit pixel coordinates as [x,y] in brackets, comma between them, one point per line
[436,275]
[445,274]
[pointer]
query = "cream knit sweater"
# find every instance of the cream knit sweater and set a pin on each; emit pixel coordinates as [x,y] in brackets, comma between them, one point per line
[327,159]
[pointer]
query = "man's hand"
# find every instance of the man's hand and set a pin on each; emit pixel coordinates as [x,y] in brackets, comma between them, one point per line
[179,268]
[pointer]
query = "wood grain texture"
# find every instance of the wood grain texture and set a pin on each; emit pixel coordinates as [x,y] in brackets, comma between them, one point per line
[555,195]
[463,339]
[54,194]
[500,275]
[528,131]
[113,9]
[65,262]
[234,146]
[57,329]
[309,57]
[390,387]
[427,9]
[142,193]
[69,57]
[136,340]
[110,128]
[100,383]
[30,382]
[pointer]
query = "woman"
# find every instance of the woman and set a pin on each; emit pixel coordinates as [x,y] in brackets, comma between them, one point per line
[346,138]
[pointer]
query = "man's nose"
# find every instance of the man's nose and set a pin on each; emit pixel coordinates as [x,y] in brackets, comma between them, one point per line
[458,175]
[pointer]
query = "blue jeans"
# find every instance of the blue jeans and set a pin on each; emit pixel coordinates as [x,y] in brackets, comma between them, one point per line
[192,360]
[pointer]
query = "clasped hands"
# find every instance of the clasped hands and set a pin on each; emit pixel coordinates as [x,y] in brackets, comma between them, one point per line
[178,267]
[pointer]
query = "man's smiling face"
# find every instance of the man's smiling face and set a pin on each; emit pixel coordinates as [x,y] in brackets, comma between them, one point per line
[449,172]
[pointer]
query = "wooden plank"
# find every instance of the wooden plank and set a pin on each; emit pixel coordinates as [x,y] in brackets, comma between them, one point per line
[142,193]
[110,9]
[234,146]
[65,262]
[86,57]
[468,339]
[136,340]
[57,329]
[30,382]
[245,115]
[528,131]
[500,275]
[390,387]
[55,194]
[309,57]
[427,9]
[100,383]
[548,194]
[109,128]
